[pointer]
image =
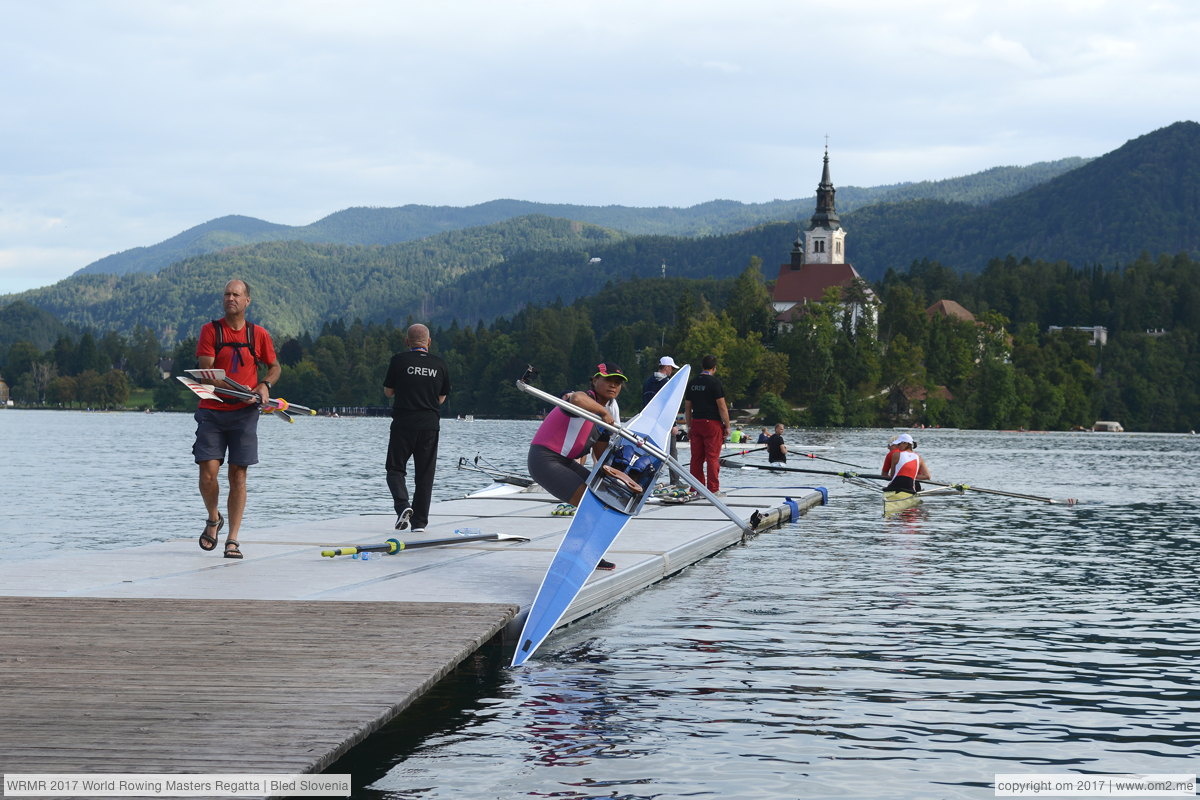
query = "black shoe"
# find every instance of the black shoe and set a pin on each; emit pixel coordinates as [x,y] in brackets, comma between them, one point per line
[607,566]
[402,519]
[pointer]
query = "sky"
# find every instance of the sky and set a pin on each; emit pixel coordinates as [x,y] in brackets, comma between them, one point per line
[125,122]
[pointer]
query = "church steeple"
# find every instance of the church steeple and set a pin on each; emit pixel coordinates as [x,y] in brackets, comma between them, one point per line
[826,216]
[824,241]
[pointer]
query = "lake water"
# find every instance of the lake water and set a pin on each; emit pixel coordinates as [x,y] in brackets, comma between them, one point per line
[844,656]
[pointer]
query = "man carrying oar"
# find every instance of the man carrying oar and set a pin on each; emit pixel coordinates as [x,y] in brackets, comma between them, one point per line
[239,348]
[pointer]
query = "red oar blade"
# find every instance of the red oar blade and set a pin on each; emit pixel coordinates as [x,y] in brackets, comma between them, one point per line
[199,389]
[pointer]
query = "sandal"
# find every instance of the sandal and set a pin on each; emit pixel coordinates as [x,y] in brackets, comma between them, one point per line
[209,541]
[236,552]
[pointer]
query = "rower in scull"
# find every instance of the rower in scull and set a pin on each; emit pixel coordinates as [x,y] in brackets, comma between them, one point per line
[904,467]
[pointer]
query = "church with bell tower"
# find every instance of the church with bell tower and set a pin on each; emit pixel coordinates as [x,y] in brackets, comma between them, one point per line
[818,261]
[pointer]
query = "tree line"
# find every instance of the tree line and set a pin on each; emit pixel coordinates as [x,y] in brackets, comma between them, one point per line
[1004,370]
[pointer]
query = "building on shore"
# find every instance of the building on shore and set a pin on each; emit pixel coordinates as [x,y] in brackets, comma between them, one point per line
[818,263]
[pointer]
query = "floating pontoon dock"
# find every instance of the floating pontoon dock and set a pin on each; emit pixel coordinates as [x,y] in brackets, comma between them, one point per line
[165,658]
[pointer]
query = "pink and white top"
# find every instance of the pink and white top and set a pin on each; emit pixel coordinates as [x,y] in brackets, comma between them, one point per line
[569,435]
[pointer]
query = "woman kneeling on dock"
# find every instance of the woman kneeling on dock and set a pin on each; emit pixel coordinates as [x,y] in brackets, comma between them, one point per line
[563,438]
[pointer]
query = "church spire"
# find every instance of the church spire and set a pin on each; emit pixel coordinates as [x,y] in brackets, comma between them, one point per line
[824,242]
[826,216]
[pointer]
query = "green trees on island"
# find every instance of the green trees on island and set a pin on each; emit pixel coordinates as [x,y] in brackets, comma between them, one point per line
[1005,369]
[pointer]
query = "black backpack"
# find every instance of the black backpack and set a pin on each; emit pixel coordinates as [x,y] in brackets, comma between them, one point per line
[219,330]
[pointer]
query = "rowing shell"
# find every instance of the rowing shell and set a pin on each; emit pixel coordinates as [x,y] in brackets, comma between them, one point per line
[616,491]
[899,501]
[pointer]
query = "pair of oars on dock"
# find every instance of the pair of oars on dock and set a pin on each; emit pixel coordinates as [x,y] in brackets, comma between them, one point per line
[843,474]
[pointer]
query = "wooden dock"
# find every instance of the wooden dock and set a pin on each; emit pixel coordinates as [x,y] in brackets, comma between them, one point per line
[95,685]
[165,658]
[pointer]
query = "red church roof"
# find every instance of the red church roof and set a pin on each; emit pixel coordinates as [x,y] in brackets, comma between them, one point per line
[808,283]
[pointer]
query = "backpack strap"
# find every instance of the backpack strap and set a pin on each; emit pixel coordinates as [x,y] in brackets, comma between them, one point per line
[219,331]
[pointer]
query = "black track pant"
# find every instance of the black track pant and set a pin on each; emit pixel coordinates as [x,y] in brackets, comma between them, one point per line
[421,447]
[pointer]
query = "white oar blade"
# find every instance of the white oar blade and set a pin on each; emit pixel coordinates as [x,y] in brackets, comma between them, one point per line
[210,375]
[199,389]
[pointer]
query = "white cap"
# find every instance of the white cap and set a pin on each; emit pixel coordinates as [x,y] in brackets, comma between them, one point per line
[903,438]
[667,361]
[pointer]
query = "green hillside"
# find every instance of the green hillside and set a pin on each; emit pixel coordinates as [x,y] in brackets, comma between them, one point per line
[1143,197]
[21,321]
[299,286]
[372,226]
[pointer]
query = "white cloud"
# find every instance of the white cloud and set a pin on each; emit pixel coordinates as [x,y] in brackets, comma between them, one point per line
[123,122]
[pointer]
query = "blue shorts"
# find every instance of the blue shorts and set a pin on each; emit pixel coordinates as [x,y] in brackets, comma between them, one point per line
[235,430]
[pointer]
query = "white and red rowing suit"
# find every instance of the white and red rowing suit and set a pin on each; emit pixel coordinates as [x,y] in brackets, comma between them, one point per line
[904,472]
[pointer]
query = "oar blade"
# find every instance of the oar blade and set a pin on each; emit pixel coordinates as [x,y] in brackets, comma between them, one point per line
[198,389]
[210,375]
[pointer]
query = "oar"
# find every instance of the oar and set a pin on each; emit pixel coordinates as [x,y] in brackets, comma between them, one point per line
[276,405]
[775,468]
[745,452]
[1065,501]
[393,546]
[830,460]
[501,477]
[1068,501]
[641,442]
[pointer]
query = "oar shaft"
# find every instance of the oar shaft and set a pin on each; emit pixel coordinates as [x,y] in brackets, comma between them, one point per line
[1017,495]
[777,468]
[645,444]
[496,475]
[394,546]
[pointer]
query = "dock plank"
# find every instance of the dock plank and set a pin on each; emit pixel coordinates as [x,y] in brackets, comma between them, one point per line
[150,685]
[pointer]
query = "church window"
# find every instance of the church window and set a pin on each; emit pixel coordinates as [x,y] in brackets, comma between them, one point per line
[819,246]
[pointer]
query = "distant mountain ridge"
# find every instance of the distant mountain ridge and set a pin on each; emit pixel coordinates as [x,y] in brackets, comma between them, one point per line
[383,226]
[1141,197]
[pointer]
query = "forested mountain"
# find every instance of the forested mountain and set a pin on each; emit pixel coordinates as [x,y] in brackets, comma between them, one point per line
[978,189]
[1143,197]
[20,321]
[298,287]
[1005,369]
[367,226]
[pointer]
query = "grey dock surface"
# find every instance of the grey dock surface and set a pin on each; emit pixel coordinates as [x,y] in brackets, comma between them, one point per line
[166,658]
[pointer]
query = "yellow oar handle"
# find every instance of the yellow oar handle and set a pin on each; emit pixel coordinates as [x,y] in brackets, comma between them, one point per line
[390,547]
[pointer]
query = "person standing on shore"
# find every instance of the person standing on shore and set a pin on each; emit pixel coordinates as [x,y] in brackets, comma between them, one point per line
[240,348]
[418,383]
[666,368]
[776,449]
[707,417]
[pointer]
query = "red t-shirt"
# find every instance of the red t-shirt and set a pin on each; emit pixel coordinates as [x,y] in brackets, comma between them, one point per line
[236,361]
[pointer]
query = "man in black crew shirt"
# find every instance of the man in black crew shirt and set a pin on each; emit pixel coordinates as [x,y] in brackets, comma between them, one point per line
[418,384]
